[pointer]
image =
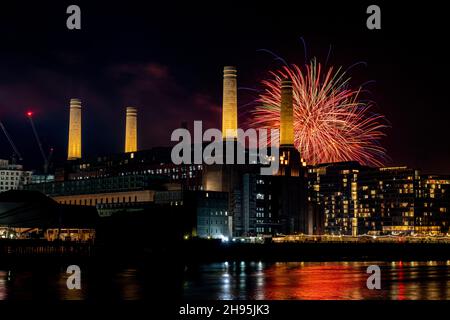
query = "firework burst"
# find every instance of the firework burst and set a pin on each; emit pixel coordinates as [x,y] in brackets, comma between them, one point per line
[331,122]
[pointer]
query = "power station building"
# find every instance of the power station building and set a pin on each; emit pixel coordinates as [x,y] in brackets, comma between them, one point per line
[256,205]
[261,205]
[235,200]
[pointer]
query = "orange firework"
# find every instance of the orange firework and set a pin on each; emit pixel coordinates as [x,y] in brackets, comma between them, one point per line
[331,122]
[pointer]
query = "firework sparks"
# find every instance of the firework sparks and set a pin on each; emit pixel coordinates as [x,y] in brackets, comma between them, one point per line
[331,123]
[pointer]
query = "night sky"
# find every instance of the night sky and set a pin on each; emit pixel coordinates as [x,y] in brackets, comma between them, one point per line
[167,60]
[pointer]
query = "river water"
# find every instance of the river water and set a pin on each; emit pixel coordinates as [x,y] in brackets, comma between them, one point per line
[426,280]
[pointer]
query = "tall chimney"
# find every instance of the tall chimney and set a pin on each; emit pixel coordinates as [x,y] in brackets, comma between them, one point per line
[229,107]
[287,114]
[131,130]
[74,147]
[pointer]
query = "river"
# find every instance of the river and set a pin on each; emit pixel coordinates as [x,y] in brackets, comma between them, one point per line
[238,280]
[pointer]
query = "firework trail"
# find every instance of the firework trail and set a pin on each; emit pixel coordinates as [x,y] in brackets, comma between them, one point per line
[331,123]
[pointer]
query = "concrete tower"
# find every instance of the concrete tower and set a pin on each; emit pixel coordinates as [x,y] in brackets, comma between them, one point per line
[287,114]
[74,147]
[131,130]
[290,186]
[229,108]
[290,161]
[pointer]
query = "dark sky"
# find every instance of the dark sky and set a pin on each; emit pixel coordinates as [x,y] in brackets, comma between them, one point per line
[166,58]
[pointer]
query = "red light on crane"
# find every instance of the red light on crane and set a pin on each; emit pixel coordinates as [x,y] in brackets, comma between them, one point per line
[29,113]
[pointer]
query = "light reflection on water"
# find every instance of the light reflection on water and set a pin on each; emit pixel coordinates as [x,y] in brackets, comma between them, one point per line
[428,280]
[318,281]
[51,284]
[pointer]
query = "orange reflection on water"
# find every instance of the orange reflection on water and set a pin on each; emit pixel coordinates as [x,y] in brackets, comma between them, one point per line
[315,281]
[401,283]
[339,280]
[3,279]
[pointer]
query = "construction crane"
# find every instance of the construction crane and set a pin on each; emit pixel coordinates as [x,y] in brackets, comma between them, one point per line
[16,153]
[45,157]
